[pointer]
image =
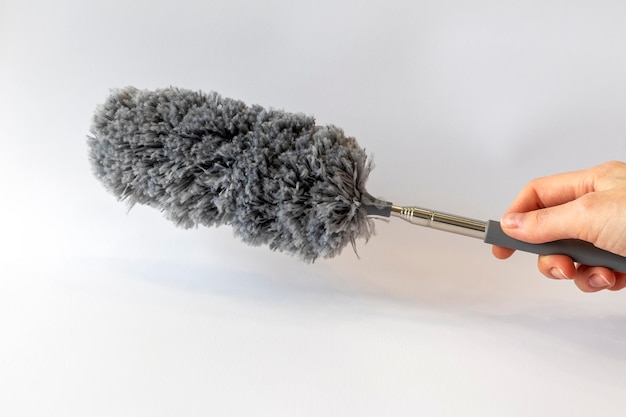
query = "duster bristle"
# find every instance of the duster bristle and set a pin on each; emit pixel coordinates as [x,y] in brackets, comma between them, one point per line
[203,159]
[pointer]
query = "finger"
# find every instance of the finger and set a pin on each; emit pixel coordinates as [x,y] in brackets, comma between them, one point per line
[560,188]
[553,190]
[620,282]
[501,253]
[557,266]
[594,278]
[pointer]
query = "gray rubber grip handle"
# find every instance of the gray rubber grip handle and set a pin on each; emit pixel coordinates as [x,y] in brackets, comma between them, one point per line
[579,250]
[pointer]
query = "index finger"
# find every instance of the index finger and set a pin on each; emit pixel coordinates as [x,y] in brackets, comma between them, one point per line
[554,190]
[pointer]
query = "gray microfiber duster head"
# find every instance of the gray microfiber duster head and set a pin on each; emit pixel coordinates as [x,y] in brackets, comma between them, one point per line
[202,159]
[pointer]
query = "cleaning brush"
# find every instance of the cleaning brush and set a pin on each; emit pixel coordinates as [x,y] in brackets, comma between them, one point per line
[275,177]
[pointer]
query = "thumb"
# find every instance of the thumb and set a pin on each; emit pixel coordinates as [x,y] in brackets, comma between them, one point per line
[544,225]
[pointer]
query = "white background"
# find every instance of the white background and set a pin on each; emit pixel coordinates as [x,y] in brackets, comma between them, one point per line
[109,313]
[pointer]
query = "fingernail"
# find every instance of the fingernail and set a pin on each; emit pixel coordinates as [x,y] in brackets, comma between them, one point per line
[512,220]
[598,281]
[558,273]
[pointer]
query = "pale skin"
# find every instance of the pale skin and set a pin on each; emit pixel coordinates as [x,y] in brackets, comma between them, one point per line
[590,205]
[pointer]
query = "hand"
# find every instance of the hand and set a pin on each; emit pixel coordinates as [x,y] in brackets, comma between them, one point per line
[588,205]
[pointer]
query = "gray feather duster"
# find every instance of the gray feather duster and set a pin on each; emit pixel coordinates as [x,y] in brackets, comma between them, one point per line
[202,159]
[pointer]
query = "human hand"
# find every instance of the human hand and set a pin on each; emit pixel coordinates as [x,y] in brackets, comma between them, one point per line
[589,205]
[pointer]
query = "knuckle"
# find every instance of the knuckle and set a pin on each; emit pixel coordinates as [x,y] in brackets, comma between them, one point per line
[614,164]
[610,175]
[610,168]
[541,218]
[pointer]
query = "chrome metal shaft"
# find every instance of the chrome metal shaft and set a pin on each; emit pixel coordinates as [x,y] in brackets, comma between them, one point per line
[441,221]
